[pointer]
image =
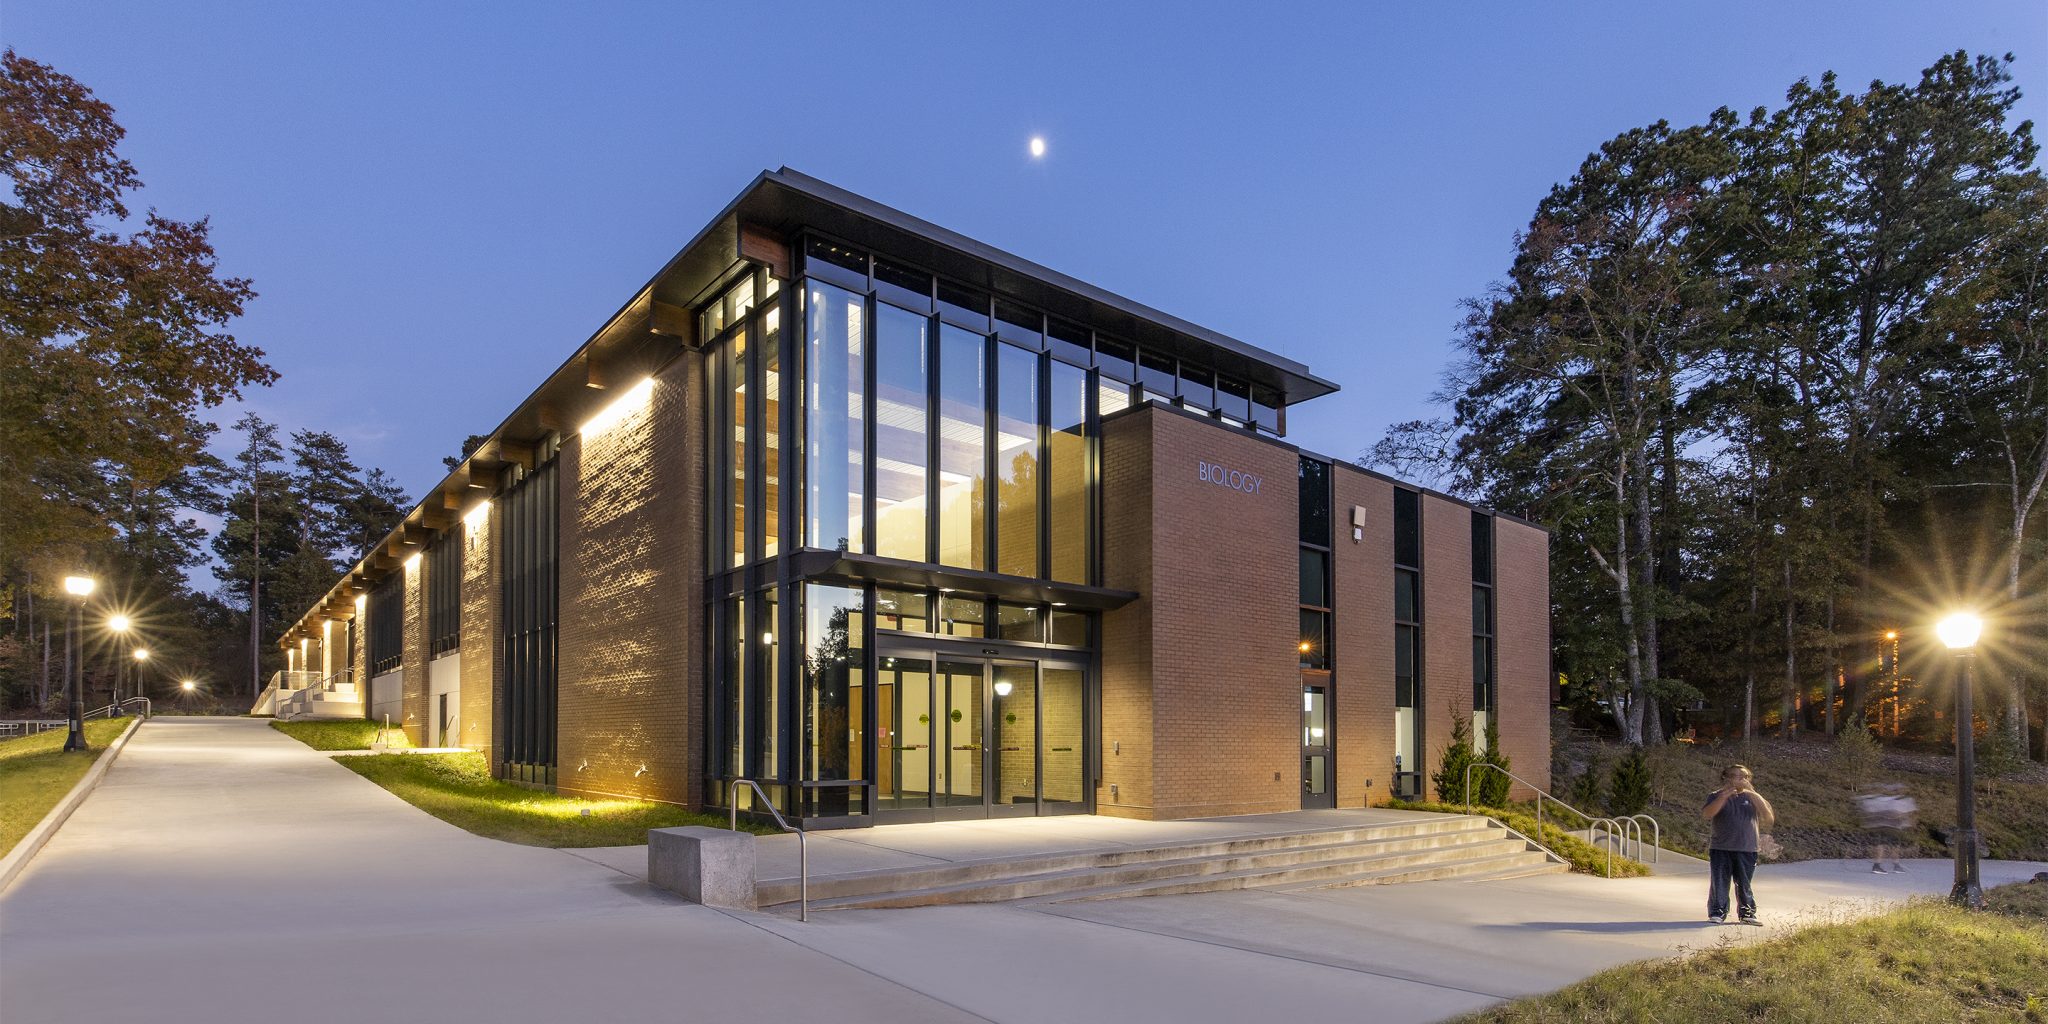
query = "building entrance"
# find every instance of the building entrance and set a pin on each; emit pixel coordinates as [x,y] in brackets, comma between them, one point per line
[975,737]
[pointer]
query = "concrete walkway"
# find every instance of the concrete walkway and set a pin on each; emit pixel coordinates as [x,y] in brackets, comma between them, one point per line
[223,872]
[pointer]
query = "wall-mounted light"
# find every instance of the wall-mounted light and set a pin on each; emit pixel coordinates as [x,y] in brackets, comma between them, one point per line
[412,562]
[1003,688]
[361,600]
[609,416]
[642,771]
[768,639]
[475,518]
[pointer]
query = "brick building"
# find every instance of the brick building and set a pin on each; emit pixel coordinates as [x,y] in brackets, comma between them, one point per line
[907,528]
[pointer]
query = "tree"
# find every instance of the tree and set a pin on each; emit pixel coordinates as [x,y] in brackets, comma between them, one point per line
[112,340]
[469,446]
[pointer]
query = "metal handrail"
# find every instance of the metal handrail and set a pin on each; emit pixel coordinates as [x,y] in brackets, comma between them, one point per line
[1616,827]
[803,849]
[1656,836]
[108,712]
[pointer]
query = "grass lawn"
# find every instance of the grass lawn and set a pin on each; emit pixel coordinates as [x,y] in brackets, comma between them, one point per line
[339,734]
[458,789]
[1928,962]
[35,773]
[1814,795]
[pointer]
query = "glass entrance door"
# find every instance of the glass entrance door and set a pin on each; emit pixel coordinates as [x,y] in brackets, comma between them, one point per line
[979,737]
[1316,790]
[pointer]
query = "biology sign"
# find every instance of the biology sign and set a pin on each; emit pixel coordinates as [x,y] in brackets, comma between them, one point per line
[1219,475]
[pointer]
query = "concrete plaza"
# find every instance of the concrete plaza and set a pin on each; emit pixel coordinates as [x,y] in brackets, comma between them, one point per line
[224,872]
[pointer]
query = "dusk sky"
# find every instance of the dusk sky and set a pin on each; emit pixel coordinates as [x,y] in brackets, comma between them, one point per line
[439,202]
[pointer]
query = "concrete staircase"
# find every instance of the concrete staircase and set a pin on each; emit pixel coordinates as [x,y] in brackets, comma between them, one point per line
[1450,846]
[340,700]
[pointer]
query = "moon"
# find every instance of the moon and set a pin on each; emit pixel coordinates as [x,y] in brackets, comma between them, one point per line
[1037,146]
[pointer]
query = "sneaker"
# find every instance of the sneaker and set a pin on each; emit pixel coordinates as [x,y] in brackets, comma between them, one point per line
[1717,919]
[1752,920]
[1898,867]
[1877,869]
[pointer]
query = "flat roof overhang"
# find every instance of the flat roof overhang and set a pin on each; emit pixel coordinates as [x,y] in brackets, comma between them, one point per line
[783,201]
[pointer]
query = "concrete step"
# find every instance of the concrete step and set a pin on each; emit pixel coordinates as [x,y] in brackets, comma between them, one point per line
[331,710]
[1458,847]
[892,881]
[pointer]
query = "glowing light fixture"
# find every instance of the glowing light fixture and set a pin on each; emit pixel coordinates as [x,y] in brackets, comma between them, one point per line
[412,562]
[118,623]
[1959,632]
[1003,688]
[79,586]
[609,416]
[476,517]
[142,654]
[1305,646]
[188,686]
[1891,634]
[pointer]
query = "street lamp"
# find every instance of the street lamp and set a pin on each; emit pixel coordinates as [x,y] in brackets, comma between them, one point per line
[188,686]
[120,625]
[141,657]
[80,588]
[1959,634]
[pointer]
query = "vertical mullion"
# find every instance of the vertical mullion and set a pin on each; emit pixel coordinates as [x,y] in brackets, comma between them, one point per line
[1042,399]
[933,420]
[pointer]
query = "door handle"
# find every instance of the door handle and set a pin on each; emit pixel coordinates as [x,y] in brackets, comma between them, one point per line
[968,746]
[1009,748]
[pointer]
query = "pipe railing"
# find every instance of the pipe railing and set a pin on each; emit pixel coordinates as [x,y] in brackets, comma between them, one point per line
[1618,829]
[803,850]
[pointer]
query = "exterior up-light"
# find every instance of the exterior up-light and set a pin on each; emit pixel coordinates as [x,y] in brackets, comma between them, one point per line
[1959,632]
[610,416]
[79,586]
[412,562]
[475,518]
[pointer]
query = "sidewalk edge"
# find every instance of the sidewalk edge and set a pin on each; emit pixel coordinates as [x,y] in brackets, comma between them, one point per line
[31,844]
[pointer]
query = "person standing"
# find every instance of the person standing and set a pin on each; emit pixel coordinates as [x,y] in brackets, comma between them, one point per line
[1740,814]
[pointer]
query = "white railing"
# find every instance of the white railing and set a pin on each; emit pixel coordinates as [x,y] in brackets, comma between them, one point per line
[1620,830]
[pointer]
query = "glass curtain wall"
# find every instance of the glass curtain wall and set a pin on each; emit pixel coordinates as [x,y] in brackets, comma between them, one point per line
[963,448]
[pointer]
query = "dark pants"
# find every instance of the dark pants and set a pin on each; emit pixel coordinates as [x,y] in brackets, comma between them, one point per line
[1727,865]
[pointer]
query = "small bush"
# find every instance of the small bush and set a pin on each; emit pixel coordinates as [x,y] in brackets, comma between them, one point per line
[1630,792]
[1584,857]
[1454,759]
[1999,752]
[1589,787]
[1857,753]
[1491,788]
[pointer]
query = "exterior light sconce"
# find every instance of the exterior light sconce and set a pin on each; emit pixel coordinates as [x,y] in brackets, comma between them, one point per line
[585,766]
[642,771]
[79,586]
[412,563]
[474,519]
[1003,688]
[768,639]
[1357,523]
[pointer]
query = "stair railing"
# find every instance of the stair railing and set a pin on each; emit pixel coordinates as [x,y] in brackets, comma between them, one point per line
[1617,828]
[803,850]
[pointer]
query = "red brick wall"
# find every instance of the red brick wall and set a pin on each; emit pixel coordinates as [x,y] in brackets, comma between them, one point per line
[1363,573]
[1522,615]
[1219,572]
[631,601]
[1446,625]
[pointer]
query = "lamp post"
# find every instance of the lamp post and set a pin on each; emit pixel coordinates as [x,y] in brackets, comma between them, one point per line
[1959,633]
[80,588]
[141,659]
[119,625]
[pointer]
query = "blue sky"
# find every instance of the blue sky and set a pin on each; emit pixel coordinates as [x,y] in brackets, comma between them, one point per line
[438,201]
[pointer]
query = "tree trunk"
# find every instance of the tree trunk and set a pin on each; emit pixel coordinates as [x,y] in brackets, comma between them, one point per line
[1632,722]
[1791,721]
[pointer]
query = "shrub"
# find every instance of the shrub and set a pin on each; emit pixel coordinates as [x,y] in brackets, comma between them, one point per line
[1584,857]
[1451,762]
[1630,792]
[1588,788]
[1999,753]
[1857,753]
[1491,788]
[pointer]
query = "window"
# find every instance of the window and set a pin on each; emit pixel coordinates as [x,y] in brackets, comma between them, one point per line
[1016,461]
[963,448]
[1197,388]
[962,616]
[1315,639]
[1070,629]
[733,357]
[1155,375]
[1315,578]
[1233,400]
[387,623]
[444,593]
[1067,342]
[903,286]
[1020,325]
[836,263]
[1315,502]
[1020,622]
[525,737]
[834,621]
[1407,528]
[1067,455]
[835,417]
[901,340]
[1266,409]
[967,307]
[1407,600]
[1484,692]
[1115,359]
[770,432]
[907,610]
[764,688]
